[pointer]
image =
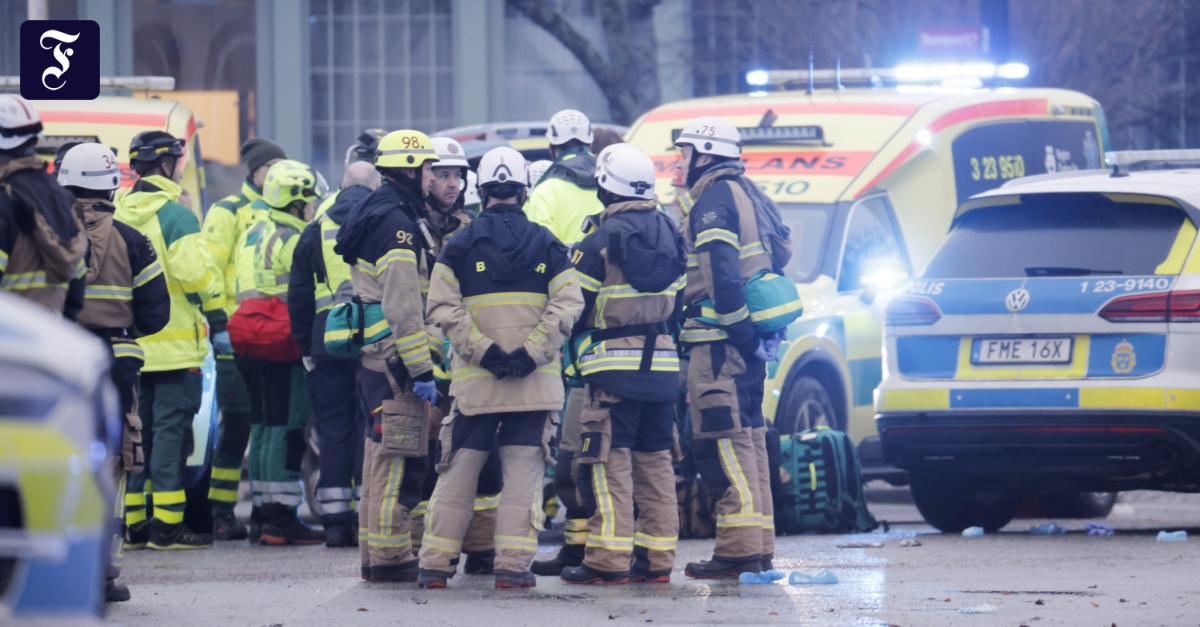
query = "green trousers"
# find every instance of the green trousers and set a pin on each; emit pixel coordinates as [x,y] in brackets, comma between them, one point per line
[167,403]
[234,402]
[279,410]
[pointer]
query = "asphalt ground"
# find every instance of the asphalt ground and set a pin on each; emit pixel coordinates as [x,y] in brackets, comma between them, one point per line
[1073,579]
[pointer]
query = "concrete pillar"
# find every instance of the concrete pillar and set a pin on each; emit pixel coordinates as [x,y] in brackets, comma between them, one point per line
[115,18]
[471,28]
[673,32]
[283,95]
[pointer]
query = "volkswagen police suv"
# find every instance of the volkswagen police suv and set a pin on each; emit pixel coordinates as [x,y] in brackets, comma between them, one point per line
[1051,344]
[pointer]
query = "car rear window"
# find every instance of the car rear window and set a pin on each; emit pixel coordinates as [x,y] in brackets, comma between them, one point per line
[1064,235]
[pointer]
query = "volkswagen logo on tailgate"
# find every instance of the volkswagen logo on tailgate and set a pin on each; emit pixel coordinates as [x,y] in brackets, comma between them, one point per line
[1017,300]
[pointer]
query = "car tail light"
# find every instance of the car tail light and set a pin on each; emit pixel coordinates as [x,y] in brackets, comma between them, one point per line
[911,310]
[1158,307]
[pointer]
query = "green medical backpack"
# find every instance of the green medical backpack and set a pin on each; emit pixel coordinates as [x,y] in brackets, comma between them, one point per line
[822,485]
[771,298]
[353,325]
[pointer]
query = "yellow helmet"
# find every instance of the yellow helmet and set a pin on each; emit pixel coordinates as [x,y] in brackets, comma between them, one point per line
[404,149]
[288,181]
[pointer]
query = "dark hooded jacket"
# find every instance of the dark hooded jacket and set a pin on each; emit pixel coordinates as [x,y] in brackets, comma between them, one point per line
[308,269]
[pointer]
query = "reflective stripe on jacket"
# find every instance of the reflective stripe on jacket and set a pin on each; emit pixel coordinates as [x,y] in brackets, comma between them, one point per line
[224,225]
[192,276]
[264,254]
[724,251]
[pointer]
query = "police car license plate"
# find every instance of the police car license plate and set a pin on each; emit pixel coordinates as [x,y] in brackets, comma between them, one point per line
[1042,350]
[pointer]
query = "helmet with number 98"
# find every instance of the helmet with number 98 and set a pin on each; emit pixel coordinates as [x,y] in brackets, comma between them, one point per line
[90,166]
[710,135]
[404,149]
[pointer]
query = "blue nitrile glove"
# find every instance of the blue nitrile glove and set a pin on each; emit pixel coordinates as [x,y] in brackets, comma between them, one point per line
[221,343]
[769,346]
[426,390]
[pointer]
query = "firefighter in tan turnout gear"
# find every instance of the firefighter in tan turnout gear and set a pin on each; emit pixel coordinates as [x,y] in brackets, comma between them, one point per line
[42,243]
[505,293]
[445,214]
[727,369]
[126,298]
[630,267]
[383,241]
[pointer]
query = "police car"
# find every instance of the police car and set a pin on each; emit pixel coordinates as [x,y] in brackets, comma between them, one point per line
[1049,345]
[59,417]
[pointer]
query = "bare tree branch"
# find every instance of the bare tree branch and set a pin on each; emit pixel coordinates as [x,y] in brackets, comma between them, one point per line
[620,103]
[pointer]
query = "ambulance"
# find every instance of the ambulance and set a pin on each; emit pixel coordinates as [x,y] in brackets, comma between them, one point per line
[869,178]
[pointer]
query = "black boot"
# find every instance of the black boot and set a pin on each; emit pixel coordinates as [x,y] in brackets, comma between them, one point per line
[479,563]
[281,526]
[388,574]
[254,534]
[568,555]
[433,579]
[586,574]
[164,537]
[340,535]
[767,562]
[722,568]
[227,527]
[115,592]
[506,579]
[639,568]
[136,536]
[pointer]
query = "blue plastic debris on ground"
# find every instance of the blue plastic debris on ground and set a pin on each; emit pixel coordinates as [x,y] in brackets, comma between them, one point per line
[759,579]
[1172,536]
[1047,529]
[798,578]
[1099,529]
[972,532]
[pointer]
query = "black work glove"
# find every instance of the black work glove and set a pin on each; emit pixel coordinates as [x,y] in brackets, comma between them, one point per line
[496,360]
[520,363]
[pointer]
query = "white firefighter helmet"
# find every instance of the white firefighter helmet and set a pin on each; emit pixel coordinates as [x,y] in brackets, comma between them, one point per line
[569,124]
[471,193]
[626,171]
[537,169]
[450,153]
[19,121]
[503,165]
[90,166]
[712,136]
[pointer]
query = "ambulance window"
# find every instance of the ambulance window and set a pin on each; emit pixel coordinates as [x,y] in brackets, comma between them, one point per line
[872,245]
[810,226]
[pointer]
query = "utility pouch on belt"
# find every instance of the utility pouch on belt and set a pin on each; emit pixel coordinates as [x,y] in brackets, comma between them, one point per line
[772,300]
[353,325]
[595,438]
[405,422]
[712,392]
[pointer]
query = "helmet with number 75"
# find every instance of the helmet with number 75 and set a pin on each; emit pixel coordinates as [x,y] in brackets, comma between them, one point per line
[710,135]
[404,149]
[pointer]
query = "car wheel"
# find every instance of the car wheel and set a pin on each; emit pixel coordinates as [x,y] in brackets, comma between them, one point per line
[1096,505]
[806,406]
[952,506]
[310,469]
